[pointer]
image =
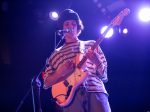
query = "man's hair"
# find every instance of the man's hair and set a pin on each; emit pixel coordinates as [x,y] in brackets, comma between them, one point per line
[69,14]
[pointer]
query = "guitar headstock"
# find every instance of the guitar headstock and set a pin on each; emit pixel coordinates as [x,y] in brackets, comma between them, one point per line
[118,19]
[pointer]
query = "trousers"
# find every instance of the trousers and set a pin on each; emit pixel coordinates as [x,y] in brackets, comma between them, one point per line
[89,102]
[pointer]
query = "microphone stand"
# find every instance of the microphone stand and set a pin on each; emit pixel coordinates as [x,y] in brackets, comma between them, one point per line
[23,99]
[37,82]
[61,35]
[34,81]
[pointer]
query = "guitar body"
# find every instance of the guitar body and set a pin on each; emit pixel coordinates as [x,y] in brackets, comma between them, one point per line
[63,92]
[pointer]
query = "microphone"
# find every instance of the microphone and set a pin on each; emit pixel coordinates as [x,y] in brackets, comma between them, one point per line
[60,32]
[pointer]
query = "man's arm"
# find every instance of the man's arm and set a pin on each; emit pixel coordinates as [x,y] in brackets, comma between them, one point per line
[58,75]
[98,58]
[102,66]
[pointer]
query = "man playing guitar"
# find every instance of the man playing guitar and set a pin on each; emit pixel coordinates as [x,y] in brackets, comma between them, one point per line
[76,86]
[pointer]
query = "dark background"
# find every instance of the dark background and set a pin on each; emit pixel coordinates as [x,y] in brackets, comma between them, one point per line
[27,40]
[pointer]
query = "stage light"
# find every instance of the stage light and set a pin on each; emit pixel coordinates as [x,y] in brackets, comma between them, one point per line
[144,14]
[125,31]
[53,15]
[109,33]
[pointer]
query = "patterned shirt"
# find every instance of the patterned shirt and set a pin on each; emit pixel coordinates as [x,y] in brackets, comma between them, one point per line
[94,80]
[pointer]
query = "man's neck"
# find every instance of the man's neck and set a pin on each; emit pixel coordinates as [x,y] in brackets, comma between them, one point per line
[71,40]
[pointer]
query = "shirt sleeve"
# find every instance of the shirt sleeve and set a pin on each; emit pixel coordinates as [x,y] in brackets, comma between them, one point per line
[102,67]
[48,71]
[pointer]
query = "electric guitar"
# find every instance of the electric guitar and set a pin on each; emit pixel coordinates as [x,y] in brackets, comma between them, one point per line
[63,92]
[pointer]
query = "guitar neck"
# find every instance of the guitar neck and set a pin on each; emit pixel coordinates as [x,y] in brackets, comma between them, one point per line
[99,40]
[116,21]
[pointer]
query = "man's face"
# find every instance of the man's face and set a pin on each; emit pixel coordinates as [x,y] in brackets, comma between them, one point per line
[71,24]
